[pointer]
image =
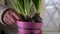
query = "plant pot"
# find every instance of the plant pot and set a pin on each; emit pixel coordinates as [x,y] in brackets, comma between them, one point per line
[28,27]
[37,25]
[37,31]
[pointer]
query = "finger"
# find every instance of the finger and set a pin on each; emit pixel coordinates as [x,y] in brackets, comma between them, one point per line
[9,21]
[6,20]
[15,15]
[10,17]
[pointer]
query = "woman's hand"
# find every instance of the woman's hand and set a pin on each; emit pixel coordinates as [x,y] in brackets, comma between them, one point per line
[10,17]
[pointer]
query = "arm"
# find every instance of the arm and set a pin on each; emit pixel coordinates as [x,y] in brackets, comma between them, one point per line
[8,15]
[2,10]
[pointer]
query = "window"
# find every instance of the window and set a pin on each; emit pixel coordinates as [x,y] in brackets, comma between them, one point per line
[52,16]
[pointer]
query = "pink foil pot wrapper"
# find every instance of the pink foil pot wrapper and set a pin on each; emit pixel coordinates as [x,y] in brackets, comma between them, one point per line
[37,25]
[37,31]
[24,24]
[28,25]
[23,31]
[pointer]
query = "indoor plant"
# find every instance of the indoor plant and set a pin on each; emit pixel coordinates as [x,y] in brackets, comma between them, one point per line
[28,24]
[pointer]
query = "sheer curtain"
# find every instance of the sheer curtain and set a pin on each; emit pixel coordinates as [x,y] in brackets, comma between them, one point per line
[51,19]
[52,15]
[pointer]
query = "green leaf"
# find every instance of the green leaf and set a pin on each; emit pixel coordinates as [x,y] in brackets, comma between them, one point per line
[27,6]
[19,6]
[15,5]
[23,6]
[37,4]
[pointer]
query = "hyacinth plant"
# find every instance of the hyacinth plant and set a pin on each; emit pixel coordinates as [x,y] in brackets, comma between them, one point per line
[23,7]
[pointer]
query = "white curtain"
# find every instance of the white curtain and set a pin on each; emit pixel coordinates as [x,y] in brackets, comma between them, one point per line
[52,15]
